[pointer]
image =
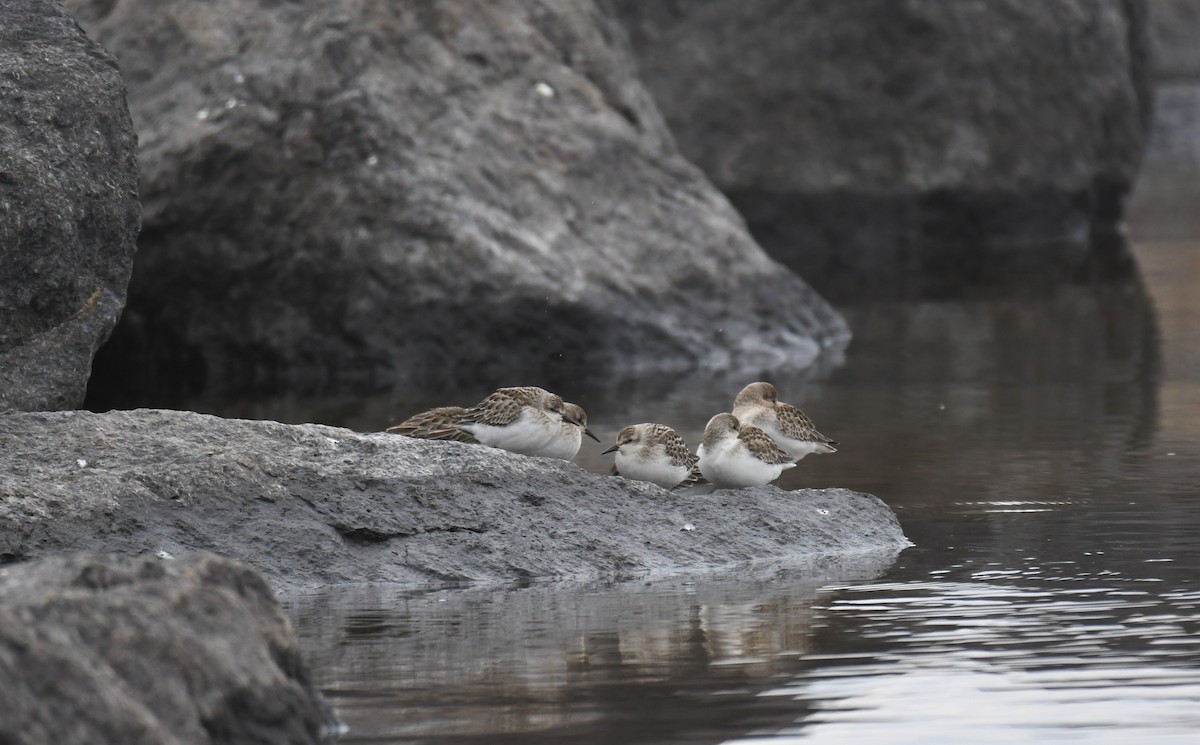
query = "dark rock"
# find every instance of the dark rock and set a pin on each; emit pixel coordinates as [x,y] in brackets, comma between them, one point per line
[104,649]
[351,196]
[908,147]
[314,505]
[1175,38]
[69,211]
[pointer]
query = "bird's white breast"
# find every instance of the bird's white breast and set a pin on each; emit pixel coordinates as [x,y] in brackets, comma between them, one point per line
[655,470]
[531,433]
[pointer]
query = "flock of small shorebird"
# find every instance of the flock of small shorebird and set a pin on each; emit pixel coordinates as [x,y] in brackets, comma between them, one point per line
[751,446]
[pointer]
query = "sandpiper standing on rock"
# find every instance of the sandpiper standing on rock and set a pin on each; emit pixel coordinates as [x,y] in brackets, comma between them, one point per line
[733,455]
[527,420]
[654,453]
[758,406]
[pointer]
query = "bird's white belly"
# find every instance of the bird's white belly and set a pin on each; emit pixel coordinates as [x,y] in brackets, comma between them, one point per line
[529,434]
[733,467]
[565,444]
[655,471]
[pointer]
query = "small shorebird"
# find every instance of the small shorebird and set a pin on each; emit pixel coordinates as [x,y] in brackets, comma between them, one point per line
[734,455]
[654,453]
[758,406]
[570,433]
[527,420]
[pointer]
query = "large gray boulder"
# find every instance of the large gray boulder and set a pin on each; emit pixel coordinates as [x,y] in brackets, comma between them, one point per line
[365,195]
[908,147]
[109,649]
[69,210]
[313,505]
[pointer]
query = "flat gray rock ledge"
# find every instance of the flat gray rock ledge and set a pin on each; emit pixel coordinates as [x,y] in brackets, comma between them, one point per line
[114,649]
[311,505]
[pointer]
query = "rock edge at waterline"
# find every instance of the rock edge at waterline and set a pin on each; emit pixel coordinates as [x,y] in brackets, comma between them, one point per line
[311,505]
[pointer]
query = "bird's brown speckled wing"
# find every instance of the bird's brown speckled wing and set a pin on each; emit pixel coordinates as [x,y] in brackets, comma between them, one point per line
[435,424]
[796,424]
[695,478]
[501,407]
[672,442]
[761,446]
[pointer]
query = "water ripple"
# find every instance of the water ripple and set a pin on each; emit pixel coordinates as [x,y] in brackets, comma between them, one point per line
[1101,664]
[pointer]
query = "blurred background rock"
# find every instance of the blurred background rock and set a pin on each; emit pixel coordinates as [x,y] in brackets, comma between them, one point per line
[910,148]
[358,196]
[352,199]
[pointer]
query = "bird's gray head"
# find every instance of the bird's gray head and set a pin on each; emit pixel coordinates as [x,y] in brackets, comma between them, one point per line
[755,393]
[630,435]
[574,414]
[719,427]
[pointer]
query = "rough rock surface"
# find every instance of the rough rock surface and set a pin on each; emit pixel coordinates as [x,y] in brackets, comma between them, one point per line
[907,147]
[104,649]
[69,210]
[362,194]
[314,505]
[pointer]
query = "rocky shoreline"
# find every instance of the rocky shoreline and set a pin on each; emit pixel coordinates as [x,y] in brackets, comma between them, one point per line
[312,506]
[142,547]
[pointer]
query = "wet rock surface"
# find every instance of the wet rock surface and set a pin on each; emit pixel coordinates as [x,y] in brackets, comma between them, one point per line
[311,505]
[353,196]
[69,210]
[109,649]
[895,149]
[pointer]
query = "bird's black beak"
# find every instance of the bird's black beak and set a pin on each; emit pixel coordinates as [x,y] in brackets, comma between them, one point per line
[579,424]
[612,449]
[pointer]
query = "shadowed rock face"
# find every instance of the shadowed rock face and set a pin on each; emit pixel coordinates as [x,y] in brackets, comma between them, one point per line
[313,505]
[359,195]
[104,649]
[889,148]
[1174,30]
[69,210]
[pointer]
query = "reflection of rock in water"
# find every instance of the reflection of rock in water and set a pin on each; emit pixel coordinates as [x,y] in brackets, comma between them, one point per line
[1093,332]
[546,659]
[1000,400]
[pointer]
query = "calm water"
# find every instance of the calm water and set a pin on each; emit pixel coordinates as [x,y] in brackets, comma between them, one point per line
[1041,453]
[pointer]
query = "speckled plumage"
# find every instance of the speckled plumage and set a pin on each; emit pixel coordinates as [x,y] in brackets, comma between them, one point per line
[655,453]
[733,455]
[505,406]
[758,405]
[435,424]
[527,420]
